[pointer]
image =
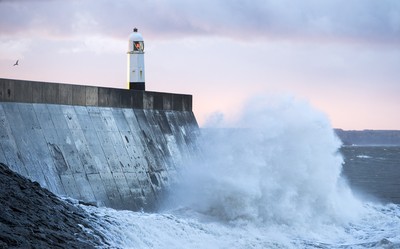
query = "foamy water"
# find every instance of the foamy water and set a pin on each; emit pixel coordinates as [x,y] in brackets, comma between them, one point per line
[272,181]
[363,156]
[378,228]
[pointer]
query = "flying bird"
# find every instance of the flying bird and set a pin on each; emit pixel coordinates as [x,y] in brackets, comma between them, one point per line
[16,63]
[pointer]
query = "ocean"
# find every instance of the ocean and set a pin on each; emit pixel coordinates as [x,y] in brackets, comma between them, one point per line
[373,171]
[278,178]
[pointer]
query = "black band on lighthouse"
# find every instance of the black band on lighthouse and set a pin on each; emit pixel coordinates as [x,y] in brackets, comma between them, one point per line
[137,86]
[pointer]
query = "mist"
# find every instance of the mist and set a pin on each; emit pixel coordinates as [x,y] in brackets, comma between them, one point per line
[278,163]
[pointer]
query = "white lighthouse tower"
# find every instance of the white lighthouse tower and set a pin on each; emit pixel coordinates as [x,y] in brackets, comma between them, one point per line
[136,61]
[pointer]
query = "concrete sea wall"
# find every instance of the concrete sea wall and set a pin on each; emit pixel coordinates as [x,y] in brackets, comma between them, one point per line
[118,148]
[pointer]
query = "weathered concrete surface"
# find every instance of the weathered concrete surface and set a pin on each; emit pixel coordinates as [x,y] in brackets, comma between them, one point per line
[115,156]
[25,91]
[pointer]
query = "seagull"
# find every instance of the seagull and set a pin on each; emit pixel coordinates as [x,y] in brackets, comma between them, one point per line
[16,63]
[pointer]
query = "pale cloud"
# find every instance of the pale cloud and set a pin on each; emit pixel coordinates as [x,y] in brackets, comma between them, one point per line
[11,49]
[95,44]
[359,20]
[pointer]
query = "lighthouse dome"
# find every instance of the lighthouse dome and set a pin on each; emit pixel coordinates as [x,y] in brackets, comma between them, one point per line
[135,36]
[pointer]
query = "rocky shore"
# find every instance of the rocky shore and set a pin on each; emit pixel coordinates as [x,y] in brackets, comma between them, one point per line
[33,217]
[369,137]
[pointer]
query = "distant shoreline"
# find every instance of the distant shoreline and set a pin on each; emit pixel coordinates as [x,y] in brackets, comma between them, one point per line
[369,137]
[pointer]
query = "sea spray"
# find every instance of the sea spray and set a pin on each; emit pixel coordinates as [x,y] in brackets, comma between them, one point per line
[279,164]
[273,181]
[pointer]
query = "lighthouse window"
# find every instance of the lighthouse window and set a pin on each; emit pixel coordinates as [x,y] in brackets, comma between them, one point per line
[138,46]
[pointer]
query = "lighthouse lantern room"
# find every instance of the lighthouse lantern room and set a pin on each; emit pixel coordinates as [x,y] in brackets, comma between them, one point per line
[136,61]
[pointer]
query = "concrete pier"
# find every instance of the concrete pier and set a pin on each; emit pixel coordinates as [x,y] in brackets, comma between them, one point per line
[65,94]
[117,148]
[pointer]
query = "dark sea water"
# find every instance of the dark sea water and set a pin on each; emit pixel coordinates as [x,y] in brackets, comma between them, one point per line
[373,171]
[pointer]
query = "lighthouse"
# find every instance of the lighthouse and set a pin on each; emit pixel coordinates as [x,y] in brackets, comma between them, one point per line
[136,61]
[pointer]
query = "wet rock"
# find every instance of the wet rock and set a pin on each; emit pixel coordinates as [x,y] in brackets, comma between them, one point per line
[33,217]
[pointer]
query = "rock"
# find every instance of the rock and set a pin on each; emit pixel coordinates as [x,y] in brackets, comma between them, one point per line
[33,217]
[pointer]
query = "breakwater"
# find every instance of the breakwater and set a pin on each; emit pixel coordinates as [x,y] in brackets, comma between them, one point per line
[113,147]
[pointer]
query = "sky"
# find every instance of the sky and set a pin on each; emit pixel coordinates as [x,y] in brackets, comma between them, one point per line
[342,56]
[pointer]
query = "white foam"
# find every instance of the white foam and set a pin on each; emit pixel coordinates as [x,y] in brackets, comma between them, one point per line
[184,228]
[363,156]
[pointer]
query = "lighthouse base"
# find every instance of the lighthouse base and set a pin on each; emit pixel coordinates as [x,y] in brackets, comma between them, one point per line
[137,86]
